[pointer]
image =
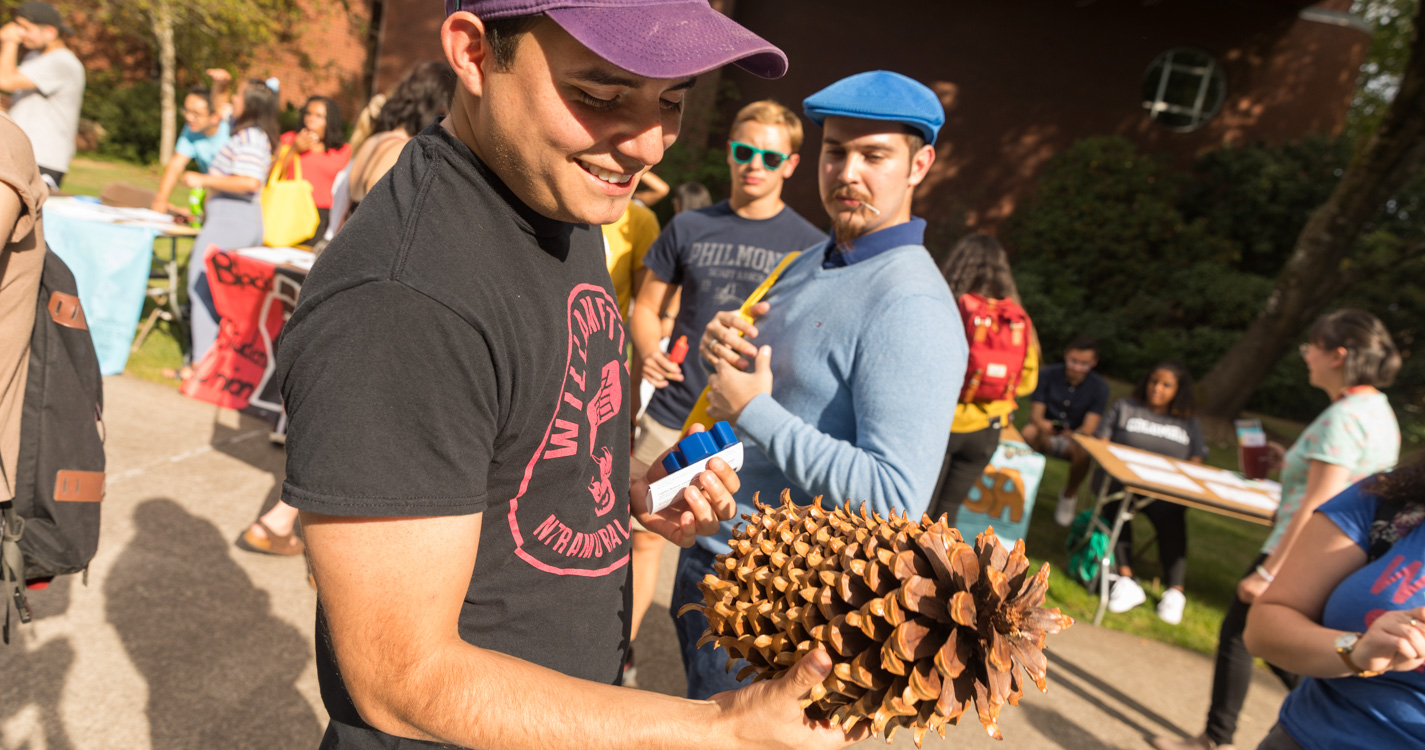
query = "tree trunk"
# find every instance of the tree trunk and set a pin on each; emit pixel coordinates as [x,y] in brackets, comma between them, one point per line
[162,20]
[1320,266]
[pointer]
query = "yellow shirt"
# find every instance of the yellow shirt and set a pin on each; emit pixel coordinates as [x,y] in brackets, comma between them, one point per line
[626,241]
[976,417]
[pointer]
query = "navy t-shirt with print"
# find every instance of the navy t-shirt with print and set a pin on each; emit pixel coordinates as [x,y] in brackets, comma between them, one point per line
[454,353]
[1068,403]
[718,258]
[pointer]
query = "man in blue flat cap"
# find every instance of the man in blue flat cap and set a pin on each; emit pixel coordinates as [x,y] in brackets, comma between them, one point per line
[456,380]
[846,385]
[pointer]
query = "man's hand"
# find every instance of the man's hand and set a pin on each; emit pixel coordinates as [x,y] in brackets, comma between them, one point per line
[193,179]
[731,390]
[658,369]
[768,714]
[705,504]
[722,342]
[219,76]
[10,33]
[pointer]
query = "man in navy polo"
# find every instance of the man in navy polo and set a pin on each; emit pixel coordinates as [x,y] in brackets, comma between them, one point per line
[1070,399]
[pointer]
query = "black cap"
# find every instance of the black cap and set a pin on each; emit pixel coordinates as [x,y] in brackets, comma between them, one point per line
[43,14]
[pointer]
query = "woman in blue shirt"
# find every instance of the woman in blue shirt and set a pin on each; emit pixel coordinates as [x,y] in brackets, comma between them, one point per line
[1353,626]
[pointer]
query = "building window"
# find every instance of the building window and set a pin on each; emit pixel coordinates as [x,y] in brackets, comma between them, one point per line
[1183,89]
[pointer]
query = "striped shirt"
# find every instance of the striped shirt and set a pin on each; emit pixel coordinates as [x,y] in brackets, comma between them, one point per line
[247,154]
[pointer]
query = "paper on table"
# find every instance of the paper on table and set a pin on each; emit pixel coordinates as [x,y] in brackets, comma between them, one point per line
[274,255]
[1141,458]
[1243,496]
[1165,478]
[1211,474]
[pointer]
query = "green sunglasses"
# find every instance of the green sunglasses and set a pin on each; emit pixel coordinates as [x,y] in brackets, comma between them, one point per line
[743,153]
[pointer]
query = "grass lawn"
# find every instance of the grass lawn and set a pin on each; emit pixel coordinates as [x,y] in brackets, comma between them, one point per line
[1218,548]
[87,176]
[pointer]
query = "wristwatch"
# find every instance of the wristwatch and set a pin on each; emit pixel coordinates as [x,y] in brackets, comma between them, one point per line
[1345,644]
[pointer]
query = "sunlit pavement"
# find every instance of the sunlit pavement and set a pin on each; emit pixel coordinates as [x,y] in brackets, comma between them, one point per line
[181,640]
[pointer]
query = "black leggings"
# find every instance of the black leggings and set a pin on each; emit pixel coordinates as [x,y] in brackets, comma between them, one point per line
[965,460]
[1233,673]
[1170,521]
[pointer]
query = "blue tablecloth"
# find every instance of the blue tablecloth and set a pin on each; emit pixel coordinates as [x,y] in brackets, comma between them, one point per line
[111,264]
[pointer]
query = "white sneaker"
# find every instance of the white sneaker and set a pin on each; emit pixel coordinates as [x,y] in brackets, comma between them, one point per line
[1064,512]
[1170,607]
[1124,594]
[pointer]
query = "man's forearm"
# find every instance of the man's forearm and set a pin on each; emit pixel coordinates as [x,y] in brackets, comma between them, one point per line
[171,174]
[646,331]
[9,64]
[474,697]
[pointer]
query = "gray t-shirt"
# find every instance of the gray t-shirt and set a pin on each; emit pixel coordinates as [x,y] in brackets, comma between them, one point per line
[718,258]
[1130,423]
[49,112]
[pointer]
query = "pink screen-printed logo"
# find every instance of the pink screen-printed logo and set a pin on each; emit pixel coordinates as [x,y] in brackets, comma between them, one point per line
[587,538]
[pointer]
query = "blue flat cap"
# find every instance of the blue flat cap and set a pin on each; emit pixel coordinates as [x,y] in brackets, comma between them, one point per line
[879,95]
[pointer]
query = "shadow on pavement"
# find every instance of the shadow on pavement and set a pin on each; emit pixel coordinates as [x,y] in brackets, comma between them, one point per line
[1057,661]
[31,680]
[1067,733]
[220,667]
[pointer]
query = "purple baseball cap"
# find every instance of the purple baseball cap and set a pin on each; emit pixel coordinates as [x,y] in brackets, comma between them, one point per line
[651,38]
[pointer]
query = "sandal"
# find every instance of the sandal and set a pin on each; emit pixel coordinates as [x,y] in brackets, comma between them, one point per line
[273,543]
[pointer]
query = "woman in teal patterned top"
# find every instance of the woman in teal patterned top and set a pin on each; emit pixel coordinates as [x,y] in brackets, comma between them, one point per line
[1349,355]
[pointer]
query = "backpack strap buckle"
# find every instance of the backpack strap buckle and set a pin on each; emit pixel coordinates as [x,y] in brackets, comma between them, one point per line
[66,311]
[12,566]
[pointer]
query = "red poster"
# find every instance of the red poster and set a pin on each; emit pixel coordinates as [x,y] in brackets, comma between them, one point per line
[253,300]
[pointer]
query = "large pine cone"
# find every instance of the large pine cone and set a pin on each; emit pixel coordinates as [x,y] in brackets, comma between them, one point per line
[917,622]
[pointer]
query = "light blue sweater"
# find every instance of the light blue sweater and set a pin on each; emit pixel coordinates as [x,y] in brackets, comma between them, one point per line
[867,364]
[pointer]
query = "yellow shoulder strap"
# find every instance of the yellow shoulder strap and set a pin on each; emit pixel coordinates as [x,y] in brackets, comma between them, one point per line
[699,414]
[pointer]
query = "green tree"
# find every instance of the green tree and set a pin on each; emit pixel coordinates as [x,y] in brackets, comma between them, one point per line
[193,35]
[1328,257]
[1385,62]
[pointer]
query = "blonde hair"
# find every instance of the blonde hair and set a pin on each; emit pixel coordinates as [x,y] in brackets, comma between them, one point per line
[366,121]
[769,112]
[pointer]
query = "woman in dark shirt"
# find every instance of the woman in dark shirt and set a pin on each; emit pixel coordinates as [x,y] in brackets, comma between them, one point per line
[1158,417]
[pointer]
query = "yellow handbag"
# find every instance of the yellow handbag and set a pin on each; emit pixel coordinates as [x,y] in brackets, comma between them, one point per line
[289,213]
[699,414]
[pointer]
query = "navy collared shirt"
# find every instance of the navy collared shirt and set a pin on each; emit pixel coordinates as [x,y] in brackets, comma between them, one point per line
[862,248]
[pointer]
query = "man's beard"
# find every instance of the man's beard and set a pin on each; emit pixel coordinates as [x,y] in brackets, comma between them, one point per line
[844,223]
[845,230]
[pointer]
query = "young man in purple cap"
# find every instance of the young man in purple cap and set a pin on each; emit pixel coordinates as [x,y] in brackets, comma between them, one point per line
[47,85]
[456,383]
[855,363]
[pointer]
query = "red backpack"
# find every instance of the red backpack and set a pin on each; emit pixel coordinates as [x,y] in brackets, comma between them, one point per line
[998,333]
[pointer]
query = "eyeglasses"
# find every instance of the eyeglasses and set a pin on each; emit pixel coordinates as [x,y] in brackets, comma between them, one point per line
[743,153]
[1303,349]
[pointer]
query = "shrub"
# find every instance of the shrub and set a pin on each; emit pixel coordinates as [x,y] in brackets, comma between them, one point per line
[128,113]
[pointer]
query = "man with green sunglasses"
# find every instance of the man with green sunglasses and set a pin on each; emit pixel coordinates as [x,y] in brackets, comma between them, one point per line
[717,256]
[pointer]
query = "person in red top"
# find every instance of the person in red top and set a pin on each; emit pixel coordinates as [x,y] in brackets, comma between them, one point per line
[322,147]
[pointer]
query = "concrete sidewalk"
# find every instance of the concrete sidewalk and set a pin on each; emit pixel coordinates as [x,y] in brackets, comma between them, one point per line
[181,640]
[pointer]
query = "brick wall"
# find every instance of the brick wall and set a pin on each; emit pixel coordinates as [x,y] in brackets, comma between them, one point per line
[326,56]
